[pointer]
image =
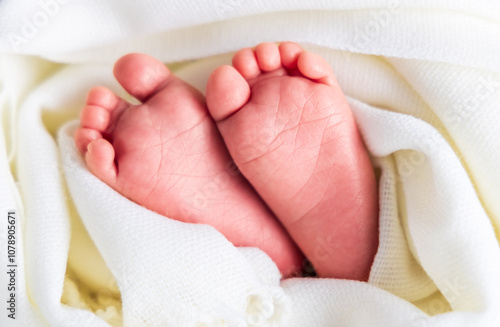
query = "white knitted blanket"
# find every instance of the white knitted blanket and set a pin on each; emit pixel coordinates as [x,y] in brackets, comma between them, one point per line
[423,80]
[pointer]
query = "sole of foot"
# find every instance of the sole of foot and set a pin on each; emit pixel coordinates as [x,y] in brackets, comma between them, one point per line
[290,131]
[167,155]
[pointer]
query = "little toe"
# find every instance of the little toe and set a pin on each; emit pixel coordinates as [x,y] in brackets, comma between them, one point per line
[227,92]
[84,136]
[141,75]
[289,53]
[100,160]
[245,62]
[315,67]
[268,56]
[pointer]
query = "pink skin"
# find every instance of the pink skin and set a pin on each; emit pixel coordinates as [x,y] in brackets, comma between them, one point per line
[167,155]
[289,129]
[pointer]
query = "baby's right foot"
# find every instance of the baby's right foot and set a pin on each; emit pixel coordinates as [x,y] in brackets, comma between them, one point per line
[290,130]
[167,155]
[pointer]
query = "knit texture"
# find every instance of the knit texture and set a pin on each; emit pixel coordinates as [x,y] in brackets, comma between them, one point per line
[423,81]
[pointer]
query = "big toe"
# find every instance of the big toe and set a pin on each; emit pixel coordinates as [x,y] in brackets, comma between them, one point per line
[227,92]
[141,75]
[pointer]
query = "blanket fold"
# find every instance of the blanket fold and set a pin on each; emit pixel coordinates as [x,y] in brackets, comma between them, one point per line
[423,81]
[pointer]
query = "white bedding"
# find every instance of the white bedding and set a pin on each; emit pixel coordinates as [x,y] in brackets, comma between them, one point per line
[423,80]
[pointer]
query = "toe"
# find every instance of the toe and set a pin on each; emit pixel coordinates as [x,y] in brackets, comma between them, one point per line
[102,108]
[268,56]
[289,53]
[103,97]
[245,62]
[227,92]
[315,67]
[141,75]
[84,136]
[95,117]
[100,160]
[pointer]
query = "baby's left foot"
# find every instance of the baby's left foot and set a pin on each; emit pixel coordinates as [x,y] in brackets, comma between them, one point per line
[166,154]
[290,130]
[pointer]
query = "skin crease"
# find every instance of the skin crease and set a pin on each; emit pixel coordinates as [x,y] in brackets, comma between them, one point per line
[306,185]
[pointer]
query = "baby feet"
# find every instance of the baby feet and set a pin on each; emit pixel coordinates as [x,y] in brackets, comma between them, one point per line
[167,155]
[290,131]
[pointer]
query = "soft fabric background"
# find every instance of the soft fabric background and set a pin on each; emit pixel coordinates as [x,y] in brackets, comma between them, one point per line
[423,80]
